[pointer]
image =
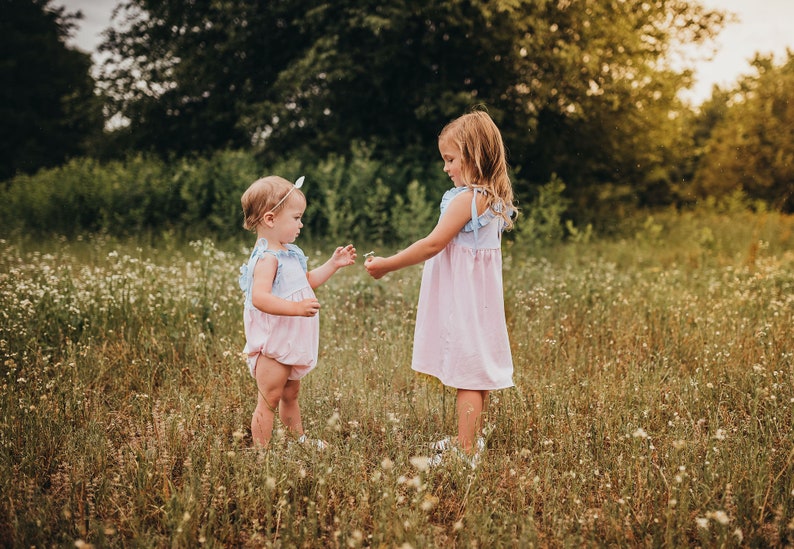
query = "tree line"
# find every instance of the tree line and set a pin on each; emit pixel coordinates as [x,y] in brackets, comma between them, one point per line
[584,92]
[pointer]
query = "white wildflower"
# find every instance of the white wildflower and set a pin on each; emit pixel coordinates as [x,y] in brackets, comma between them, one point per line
[420,462]
[639,433]
[719,516]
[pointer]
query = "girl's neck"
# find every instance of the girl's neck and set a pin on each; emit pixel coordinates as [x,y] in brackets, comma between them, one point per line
[272,243]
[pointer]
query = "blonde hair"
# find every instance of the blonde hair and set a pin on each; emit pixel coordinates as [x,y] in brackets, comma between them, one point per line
[483,160]
[263,196]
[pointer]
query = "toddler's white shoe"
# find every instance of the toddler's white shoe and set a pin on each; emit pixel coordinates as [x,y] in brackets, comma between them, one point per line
[455,455]
[314,443]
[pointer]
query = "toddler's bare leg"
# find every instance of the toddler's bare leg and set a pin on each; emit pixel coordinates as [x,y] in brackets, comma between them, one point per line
[271,377]
[289,410]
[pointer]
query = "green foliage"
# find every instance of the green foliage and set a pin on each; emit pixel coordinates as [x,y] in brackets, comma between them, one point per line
[47,102]
[413,216]
[579,89]
[337,204]
[353,198]
[140,194]
[603,102]
[211,189]
[84,195]
[579,236]
[134,196]
[542,221]
[650,232]
[751,148]
[359,202]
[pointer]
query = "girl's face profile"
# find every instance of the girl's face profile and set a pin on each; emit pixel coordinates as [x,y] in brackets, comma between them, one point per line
[453,166]
[288,221]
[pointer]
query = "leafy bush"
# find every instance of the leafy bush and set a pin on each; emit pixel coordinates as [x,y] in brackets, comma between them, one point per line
[352,198]
[361,200]
[541,223]
[412,217]
[210,190]
[86,196]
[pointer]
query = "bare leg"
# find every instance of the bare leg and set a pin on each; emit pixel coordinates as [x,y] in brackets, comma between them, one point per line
[288,409]
[470,407]
[271,378]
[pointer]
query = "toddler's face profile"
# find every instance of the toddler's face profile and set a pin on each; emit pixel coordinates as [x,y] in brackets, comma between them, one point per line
[288,221]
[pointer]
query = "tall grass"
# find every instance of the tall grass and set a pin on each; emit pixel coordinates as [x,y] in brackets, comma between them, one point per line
[652,407]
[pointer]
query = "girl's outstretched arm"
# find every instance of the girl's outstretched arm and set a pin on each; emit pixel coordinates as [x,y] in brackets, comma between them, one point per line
[342,257]
[457,214]
[262,293]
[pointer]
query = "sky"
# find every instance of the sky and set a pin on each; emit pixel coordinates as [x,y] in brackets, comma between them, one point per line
[764,26]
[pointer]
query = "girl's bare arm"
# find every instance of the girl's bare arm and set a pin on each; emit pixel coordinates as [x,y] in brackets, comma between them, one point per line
[457,214]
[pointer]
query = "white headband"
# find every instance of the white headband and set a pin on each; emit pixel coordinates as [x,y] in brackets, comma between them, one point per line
[297,185]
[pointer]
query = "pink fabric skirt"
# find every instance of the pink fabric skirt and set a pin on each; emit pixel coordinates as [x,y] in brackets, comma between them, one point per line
[461,333]
[290,340]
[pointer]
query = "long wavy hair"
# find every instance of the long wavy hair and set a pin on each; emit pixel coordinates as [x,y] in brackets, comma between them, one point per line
[483,160]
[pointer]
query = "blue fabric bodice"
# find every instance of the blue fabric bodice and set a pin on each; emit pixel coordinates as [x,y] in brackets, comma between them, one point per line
[290,275]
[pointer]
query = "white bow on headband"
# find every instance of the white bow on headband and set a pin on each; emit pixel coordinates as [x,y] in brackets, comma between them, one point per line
[297,185]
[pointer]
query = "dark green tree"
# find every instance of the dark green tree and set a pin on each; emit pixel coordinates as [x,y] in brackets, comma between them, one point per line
[751,147]
[596,80]
[182,73]
[390,73]
[697,126]
[48,108]
[580,89]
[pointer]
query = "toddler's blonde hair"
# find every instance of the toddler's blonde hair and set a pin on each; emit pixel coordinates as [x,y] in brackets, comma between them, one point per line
[262,196]
[483,160]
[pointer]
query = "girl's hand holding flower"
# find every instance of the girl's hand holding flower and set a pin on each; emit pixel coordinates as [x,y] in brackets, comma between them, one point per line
[376,267]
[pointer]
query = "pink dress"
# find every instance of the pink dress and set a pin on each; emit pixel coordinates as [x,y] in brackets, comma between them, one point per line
[461,332]
[291,340]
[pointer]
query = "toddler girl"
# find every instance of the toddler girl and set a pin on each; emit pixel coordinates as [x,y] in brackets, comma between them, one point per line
[281,314]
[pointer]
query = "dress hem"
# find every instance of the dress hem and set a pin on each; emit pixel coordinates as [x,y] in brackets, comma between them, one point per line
[495,387]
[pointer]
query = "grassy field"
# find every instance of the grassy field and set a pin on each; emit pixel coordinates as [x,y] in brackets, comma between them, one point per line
[652,407]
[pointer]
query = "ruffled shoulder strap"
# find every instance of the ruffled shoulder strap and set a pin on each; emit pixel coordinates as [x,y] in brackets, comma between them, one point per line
[292,249]
[247,269]
[449,196]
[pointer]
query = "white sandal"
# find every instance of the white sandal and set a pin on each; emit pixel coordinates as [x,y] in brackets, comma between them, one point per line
[314,443]
[446,443]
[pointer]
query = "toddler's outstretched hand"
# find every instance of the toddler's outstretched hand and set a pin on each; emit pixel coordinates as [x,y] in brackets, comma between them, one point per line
[344,256]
